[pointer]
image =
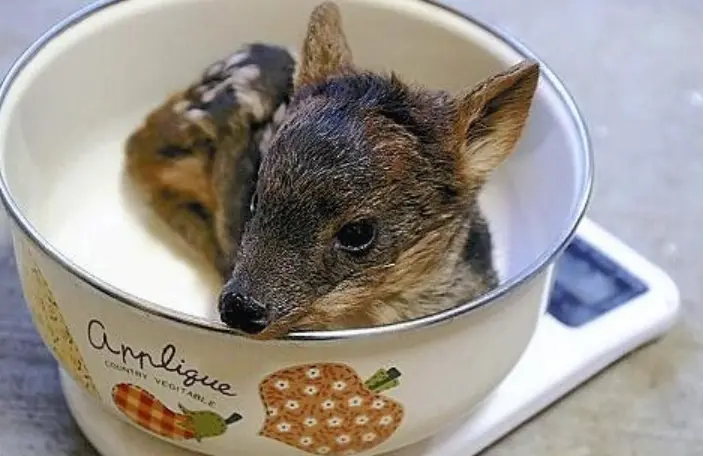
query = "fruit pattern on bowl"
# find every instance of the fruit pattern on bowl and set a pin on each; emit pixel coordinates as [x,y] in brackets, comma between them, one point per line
[149,413]
[50,323]
[328,409]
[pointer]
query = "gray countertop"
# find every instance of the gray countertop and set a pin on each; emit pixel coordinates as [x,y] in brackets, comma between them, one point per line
[636,71]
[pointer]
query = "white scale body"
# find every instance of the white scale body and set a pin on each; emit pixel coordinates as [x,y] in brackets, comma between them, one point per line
[575,354]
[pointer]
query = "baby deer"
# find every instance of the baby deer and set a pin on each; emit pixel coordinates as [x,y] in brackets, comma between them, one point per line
[195,158]
[365,209]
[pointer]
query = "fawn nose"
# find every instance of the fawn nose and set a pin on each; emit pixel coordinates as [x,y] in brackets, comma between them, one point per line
[242,312]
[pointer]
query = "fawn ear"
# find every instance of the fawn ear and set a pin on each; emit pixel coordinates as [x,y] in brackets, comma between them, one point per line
[493,115]
[325,49]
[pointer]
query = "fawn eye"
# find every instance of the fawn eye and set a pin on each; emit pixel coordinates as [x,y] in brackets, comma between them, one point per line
[356,237]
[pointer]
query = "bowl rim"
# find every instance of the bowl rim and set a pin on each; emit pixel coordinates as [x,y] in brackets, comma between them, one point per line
[535,267]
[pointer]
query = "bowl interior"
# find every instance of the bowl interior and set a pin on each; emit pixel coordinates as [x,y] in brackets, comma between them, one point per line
[66,114]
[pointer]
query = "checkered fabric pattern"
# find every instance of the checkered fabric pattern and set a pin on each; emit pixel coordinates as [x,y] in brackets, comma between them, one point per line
[149,413]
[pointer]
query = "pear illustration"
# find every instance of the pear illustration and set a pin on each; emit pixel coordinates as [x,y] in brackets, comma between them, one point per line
[204,424]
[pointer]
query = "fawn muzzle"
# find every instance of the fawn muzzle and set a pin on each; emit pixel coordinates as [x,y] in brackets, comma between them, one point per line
[242,312]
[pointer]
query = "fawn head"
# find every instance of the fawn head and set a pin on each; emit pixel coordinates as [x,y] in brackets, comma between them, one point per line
[366,191]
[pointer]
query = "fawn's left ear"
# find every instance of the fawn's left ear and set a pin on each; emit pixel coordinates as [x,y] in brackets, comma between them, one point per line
[492,117]
[325,50]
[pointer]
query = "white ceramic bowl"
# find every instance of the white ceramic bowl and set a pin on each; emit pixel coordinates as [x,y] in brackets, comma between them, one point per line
[109,299]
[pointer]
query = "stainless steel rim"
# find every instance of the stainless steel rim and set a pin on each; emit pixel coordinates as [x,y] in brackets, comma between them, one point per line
[178,317]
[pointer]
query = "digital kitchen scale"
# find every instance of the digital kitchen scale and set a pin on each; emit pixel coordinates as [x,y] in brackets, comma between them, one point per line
[607,300]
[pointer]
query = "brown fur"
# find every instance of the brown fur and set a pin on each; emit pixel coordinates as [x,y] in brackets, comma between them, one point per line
[194,159]
[173,186]
[404,162]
